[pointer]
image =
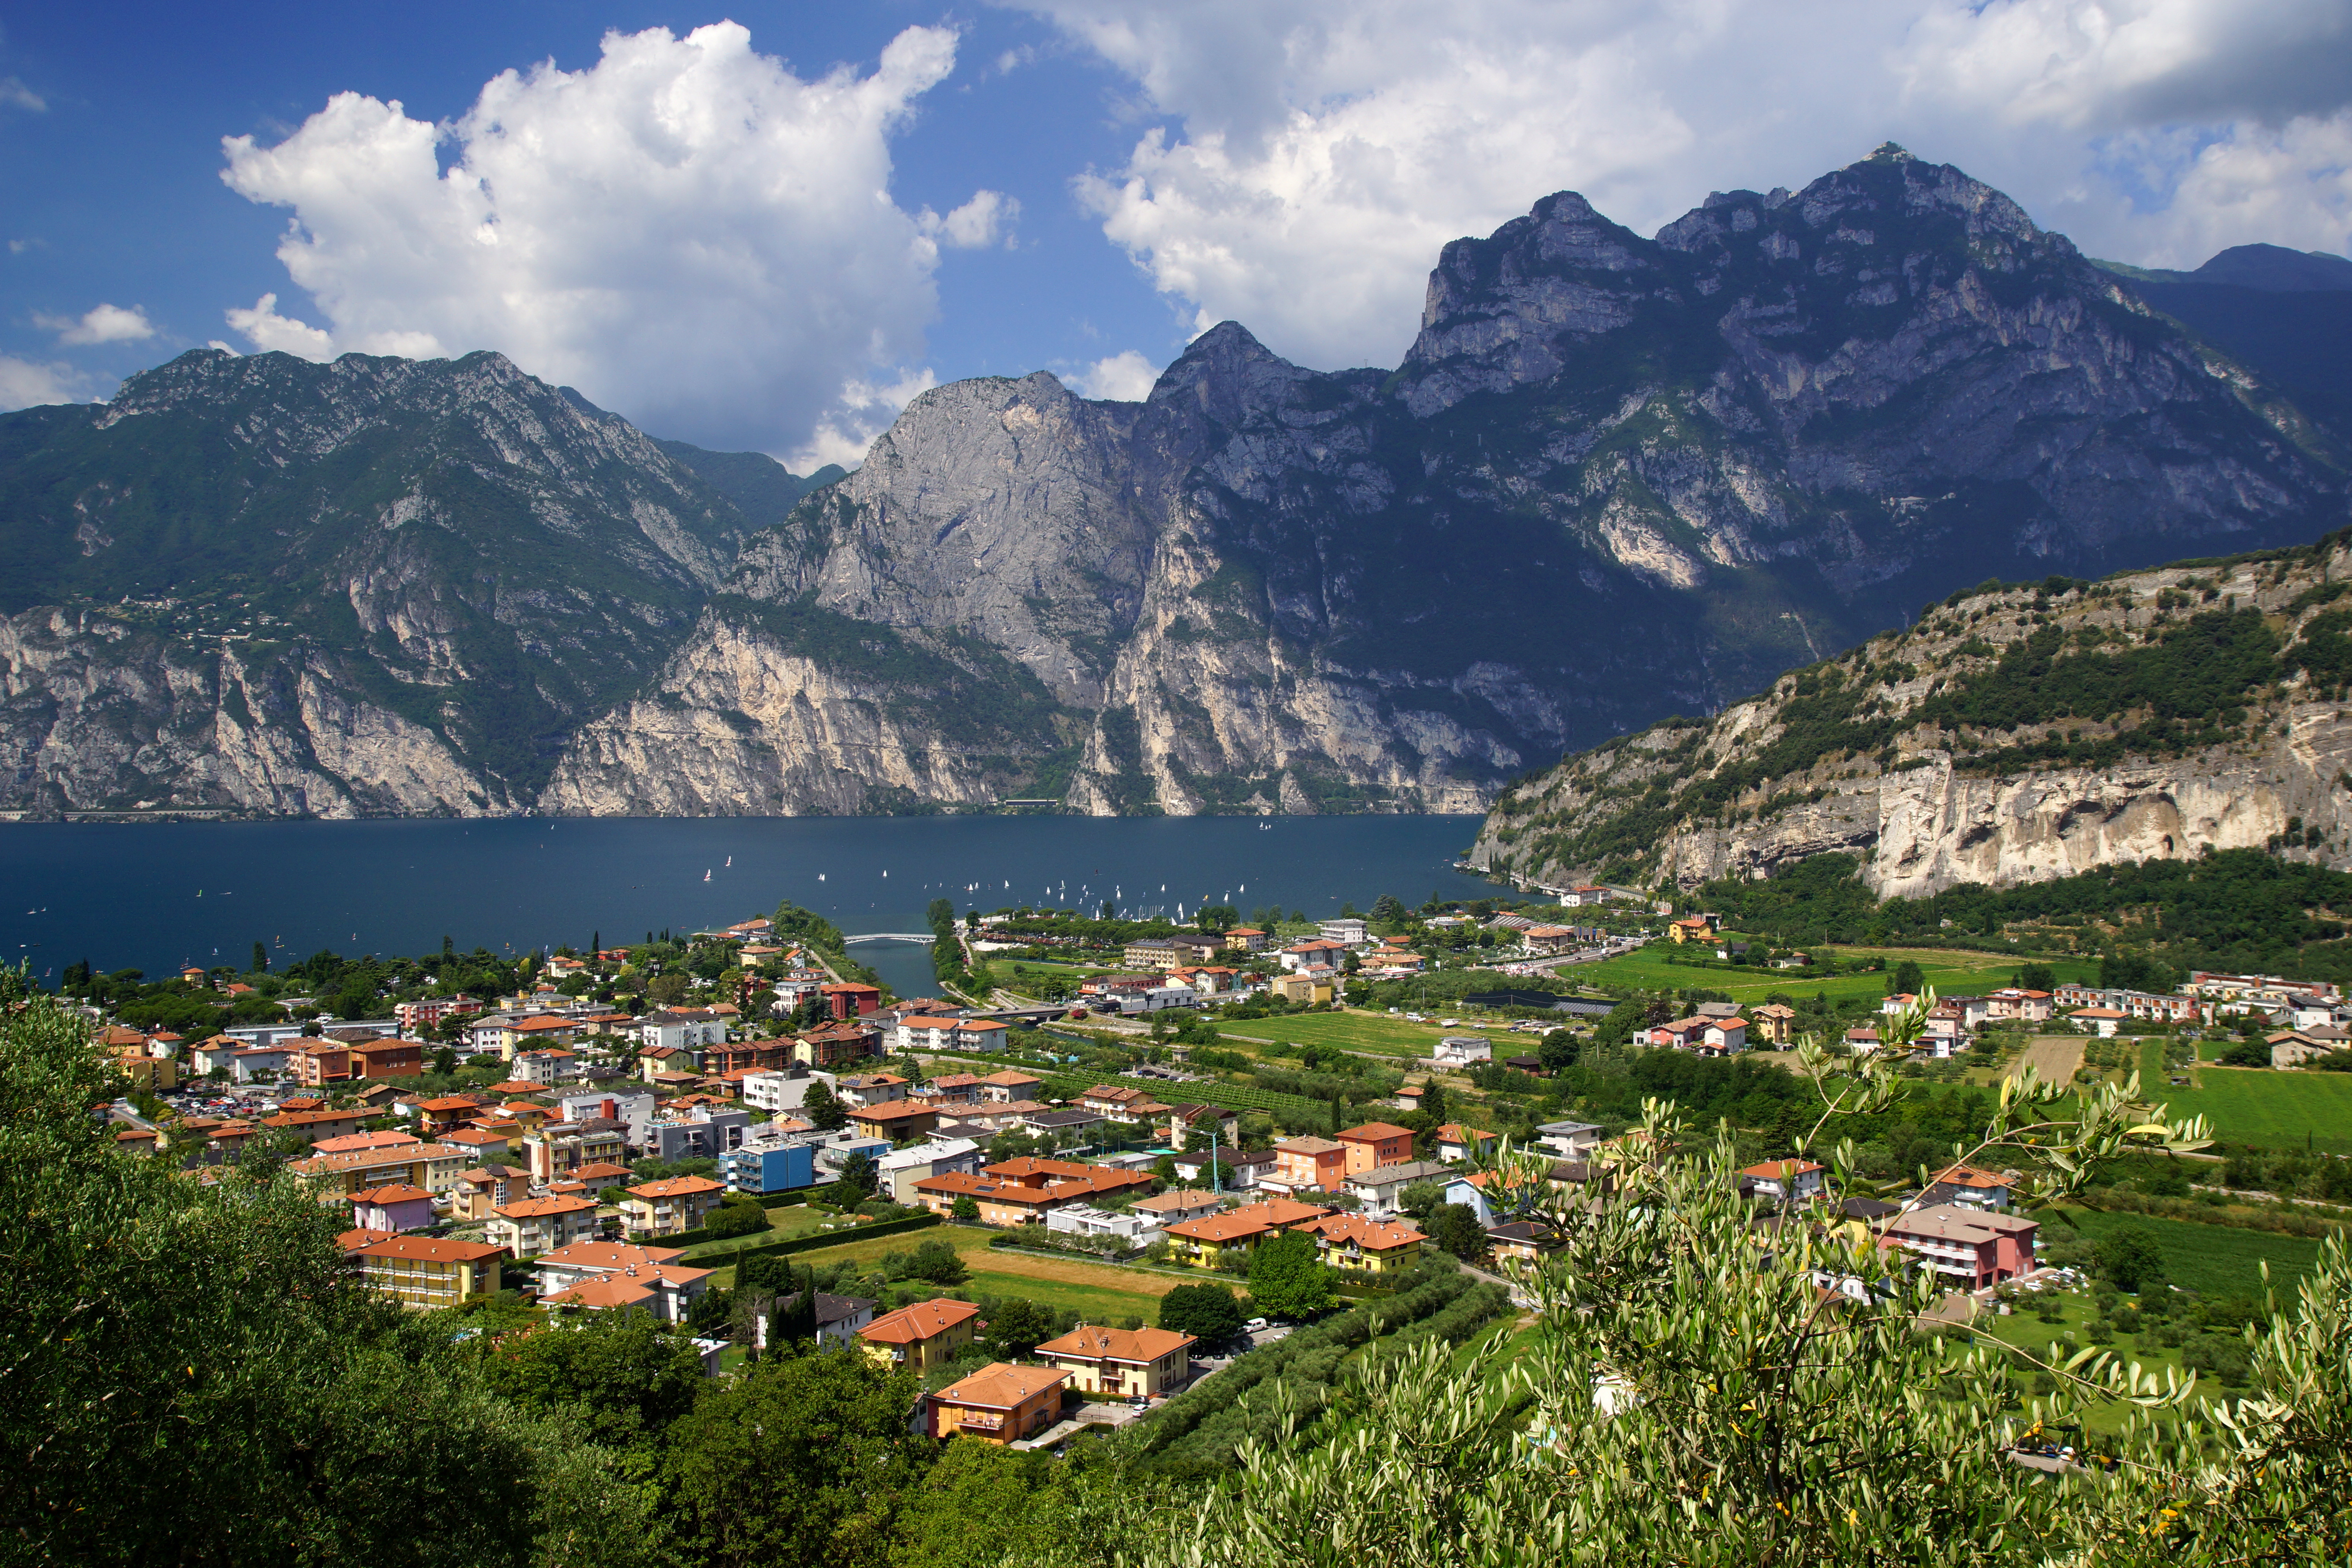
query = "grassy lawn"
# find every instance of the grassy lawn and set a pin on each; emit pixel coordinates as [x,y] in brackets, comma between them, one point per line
[1102,1292]
[1951,974]
[2056,1342]
[2257,1105]
[2215,1260]
[1375,1033]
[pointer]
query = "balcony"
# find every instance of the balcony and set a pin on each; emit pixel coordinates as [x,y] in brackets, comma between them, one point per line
[980,1421]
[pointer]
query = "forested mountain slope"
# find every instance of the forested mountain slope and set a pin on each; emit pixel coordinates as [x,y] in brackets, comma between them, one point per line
[372,586]
[2013,735]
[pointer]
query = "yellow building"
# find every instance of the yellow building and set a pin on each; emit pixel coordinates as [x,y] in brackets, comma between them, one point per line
[1351,1241]
[1695,928]
[1302,988]
[428,1165]
[667,1209]
[427,1271]
[1208,1241]
[1121,1362]
[920,1336]
[154,1075]
[1001,1403]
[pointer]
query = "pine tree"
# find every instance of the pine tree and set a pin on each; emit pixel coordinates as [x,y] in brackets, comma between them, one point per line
[824,1111]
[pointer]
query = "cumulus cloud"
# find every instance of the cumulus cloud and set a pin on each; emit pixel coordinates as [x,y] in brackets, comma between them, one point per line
[24,384]
[976,225]
[862,410]
[685,231]
[1123,377]
[1316,153]
[100,325]
[266,330]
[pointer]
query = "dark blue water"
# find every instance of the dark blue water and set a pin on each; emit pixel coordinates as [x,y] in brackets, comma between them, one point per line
[159,896]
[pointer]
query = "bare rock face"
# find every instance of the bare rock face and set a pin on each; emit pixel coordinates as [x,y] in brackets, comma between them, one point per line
[2014,736]
[372,587]
[95,716]
[1616,478]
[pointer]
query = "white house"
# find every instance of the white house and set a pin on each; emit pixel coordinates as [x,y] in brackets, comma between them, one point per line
[549,1067]
[247,1064]
[1316,955]
[1724,1036]
[1347,930]
[1462,1050]
[691,1030]
[1081,1219]
[900,1169]
[773,1091]
[1381,1188]
[1785,1180]
[1569,1140]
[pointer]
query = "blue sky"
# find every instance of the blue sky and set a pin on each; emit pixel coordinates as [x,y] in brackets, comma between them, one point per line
[117,193]
[707,232]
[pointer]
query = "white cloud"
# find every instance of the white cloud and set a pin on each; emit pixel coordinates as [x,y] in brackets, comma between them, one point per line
[1123,377]
[862,410]
[24,384]
[100,325]
[685,231]
[1323,151]
[14,94]
[975,224]
[264,329]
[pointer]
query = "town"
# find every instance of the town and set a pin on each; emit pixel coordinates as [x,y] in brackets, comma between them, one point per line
[663,1128]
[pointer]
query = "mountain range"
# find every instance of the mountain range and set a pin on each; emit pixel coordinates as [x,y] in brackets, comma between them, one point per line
[1615,478]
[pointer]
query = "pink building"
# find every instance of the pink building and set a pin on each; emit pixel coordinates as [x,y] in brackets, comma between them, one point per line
[396,1207]
[1971,1249]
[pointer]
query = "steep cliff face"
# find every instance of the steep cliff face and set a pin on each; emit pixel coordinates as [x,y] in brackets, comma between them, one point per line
[96,715]
[1615,478]
[375,586]
[2012,736]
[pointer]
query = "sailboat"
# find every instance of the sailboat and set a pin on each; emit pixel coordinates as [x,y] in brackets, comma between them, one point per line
[731,864]
[705,875]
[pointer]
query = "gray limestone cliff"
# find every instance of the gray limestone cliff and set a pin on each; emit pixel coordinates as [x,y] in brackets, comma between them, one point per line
[1615,478]
[2012,736]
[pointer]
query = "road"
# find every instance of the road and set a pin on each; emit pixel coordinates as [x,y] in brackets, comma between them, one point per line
[2056,1054]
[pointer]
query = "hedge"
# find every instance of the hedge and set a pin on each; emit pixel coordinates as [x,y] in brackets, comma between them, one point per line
[1198,1431]
[798,1195]
[720,1250]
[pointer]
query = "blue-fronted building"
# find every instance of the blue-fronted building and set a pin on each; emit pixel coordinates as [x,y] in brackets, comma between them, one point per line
[768,1166]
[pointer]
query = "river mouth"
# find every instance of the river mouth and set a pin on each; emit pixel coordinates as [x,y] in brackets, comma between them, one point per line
[158,895]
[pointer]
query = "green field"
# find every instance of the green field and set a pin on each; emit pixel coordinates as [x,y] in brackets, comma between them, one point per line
[2049,1342]
[2216,1260]
[1951,974]
[2257,1105]
[1375,1033]
[1100,1293]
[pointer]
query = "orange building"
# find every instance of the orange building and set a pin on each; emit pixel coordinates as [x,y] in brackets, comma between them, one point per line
[1311,1163]
[1376,1144]
[1001,1403]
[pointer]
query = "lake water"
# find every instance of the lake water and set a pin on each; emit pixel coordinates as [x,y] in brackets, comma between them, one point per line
[159,896]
